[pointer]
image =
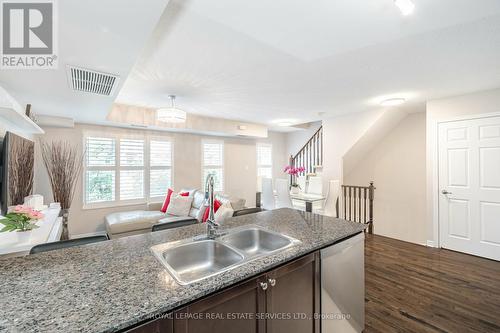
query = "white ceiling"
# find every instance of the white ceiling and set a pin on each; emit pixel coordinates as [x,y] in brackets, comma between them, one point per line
[262,61]
[269,60]
[101,35]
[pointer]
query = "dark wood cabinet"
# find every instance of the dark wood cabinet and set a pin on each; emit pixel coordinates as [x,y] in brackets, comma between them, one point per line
[285,299]
[295,297]
[232,310]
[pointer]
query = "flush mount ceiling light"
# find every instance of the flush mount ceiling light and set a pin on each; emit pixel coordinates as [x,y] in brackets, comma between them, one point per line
[393,102]
[171,114]
[285,122]
[405,6]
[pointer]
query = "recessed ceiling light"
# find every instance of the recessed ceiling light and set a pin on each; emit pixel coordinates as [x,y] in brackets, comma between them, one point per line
[284,124]
[393,102]
[405,6]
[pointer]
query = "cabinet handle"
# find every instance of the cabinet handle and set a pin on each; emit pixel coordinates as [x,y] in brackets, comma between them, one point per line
[272,282]
[263,285]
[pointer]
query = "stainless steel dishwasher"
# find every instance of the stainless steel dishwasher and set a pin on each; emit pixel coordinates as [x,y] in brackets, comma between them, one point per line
[343,286]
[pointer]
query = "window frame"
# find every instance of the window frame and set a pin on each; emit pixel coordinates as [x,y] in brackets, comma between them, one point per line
[221,167]
[146,168]
[259,166]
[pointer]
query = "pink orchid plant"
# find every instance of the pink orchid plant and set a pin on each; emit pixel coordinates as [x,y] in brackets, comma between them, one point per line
[21,218]
[294,171]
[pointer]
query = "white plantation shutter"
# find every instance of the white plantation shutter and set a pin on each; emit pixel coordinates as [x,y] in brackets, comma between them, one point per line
[131,169]
[100,174]
[131,184]
[100,151]
[160,180]
[264,154]
[160,175]
[265,160]
[213,163]
[126,169]
[161,153]
[131,152]
[213,154]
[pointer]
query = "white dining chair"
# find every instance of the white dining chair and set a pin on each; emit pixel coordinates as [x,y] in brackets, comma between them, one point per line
[329,208]
[283,194]
[315,185]
[267,194]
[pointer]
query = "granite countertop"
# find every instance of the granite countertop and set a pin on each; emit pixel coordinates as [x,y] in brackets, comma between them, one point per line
[108,286]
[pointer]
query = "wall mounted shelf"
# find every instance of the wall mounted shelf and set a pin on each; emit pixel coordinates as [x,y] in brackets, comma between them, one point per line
[12,115]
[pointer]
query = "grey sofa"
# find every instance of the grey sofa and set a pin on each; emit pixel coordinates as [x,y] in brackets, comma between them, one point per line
[135,222]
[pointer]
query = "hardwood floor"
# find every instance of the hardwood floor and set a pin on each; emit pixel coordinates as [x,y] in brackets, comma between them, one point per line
[412,288]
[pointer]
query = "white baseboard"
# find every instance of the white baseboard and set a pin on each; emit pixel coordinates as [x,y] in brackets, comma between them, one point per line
[90,234]
[430,243]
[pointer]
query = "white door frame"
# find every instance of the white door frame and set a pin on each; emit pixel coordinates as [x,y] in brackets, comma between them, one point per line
[435,169]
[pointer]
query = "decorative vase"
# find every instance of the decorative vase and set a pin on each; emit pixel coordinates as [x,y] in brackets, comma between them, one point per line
[295,190]
[64,214]
[21,237]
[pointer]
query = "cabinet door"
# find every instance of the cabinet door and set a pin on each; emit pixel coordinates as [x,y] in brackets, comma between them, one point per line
[233,310]
[295,297]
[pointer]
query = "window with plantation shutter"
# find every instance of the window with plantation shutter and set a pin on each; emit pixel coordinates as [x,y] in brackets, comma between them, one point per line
[265,160]
[213,163]
[123,170]
[160,169]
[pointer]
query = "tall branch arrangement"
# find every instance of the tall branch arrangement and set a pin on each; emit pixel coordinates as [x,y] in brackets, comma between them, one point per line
[21,166]
[63,164]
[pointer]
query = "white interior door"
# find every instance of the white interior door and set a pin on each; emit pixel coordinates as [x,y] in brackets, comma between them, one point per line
[469,185]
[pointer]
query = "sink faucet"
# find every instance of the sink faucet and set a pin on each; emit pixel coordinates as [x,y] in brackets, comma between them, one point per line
[212,226]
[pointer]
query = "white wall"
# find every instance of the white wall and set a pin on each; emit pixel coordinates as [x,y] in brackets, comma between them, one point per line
[339,134]
[484,102]
[240,170]
[397,166]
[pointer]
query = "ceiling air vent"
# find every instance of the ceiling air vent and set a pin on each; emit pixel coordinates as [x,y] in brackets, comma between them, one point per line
[87,80]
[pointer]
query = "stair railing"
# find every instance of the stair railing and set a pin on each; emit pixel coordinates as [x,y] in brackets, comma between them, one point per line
[357,204]
[310,156]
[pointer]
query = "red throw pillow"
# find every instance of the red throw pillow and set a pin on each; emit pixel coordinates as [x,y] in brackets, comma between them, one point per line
[217,205]
[184,194]
[167,200]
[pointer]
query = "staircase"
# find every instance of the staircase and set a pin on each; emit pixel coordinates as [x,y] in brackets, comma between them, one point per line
[311,155]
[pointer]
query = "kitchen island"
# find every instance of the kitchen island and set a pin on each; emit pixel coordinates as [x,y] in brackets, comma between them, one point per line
[119,285]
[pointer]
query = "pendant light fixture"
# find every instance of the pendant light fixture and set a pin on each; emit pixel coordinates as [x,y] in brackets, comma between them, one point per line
[171,114]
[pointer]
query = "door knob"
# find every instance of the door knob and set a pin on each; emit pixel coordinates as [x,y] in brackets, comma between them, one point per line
[445,192]
[263,285]
[272,282]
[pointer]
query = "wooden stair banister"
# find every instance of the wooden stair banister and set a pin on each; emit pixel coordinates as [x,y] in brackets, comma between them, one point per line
[357,204]
[310,156]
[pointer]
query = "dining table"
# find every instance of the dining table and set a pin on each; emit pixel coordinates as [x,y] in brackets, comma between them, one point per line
[308,198]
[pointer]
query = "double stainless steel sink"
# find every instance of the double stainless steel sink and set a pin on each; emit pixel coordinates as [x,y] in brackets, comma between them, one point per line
[193,260]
